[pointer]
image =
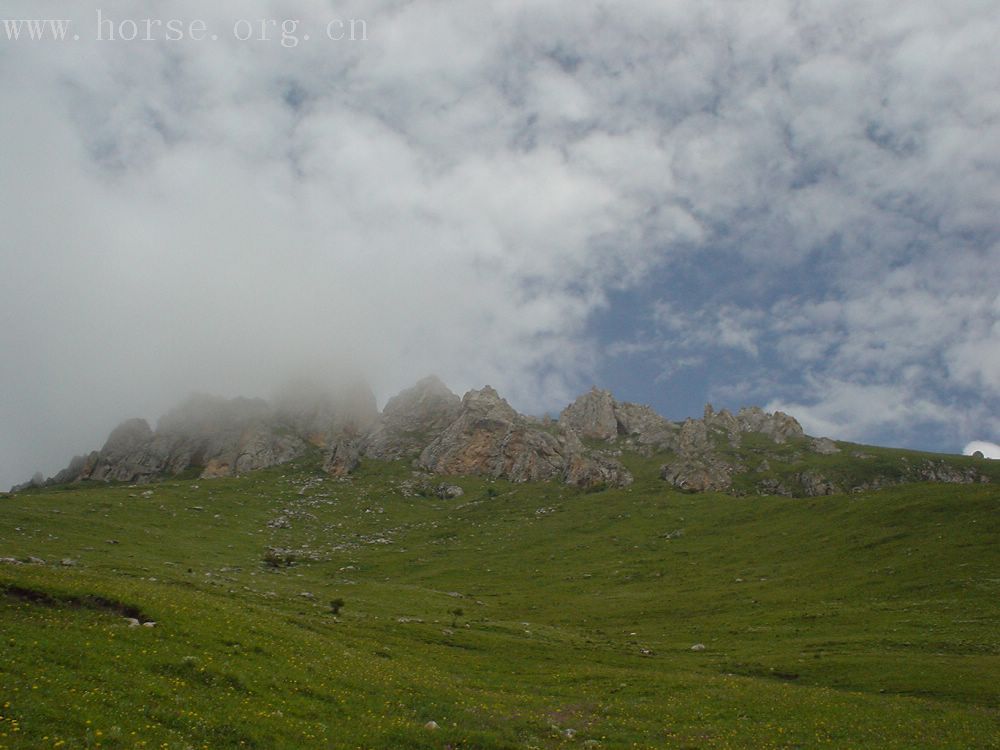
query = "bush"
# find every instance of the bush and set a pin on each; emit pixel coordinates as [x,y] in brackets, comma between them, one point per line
[276,557]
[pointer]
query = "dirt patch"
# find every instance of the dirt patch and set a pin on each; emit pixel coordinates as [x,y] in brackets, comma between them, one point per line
[86,601]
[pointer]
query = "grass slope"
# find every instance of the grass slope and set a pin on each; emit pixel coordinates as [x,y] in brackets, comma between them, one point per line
[852,621]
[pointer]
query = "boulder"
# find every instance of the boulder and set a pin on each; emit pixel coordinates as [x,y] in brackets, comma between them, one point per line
[694,474]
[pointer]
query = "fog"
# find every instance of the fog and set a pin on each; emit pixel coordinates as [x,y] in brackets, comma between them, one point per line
[465,192]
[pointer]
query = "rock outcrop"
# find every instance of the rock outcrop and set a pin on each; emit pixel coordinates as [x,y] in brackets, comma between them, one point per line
[413,419]
[778,426]
[481,434]
[596,415]
[489,438]
[321,414]
[707,450]
[218,437]
[592,415]
[699,466]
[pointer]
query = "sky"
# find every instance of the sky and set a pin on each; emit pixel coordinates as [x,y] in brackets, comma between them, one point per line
[785,203]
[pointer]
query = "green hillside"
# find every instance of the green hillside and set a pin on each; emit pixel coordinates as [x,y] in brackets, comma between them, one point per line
[515,616]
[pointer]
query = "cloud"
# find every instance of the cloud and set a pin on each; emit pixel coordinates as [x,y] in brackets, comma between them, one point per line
[989,450]
[800,196]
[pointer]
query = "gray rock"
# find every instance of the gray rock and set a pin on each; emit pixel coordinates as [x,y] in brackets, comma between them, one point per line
[707,473]
[489,438]
[595,470]
[824,446]
[224,437]
[344,457]
[592,415]
[779,426]
[816,485]
[322,412]
[260,447]
[597,415]
[645,426]
[412,419]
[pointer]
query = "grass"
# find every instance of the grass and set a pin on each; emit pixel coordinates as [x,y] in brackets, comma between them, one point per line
[848,621]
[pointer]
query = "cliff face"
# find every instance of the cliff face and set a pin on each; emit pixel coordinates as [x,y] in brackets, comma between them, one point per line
[750,452]
[490,438]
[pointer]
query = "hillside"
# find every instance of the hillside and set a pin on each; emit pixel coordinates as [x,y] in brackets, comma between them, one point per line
[516,615]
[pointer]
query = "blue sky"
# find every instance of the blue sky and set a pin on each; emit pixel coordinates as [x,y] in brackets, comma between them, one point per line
[791,204]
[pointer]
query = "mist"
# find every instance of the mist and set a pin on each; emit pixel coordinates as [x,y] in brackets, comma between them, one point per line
[473,191]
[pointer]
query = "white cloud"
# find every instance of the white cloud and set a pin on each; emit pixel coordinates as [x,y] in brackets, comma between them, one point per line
[461,194]
[989,450]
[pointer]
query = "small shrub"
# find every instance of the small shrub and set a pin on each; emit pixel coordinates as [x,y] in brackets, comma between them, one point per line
[276,557]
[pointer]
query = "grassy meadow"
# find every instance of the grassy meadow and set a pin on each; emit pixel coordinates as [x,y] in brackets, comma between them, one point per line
[515,616]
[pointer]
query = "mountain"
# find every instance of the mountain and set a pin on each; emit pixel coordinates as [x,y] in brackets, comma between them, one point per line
[752,452]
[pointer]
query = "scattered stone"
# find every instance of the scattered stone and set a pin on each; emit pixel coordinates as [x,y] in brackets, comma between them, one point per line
[10,561]
[698,647]
[149,624]
[132,622]
[449,491]
[431,725]
[68,562]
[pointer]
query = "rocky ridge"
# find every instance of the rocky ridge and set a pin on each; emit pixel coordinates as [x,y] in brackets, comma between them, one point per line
[481,434]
